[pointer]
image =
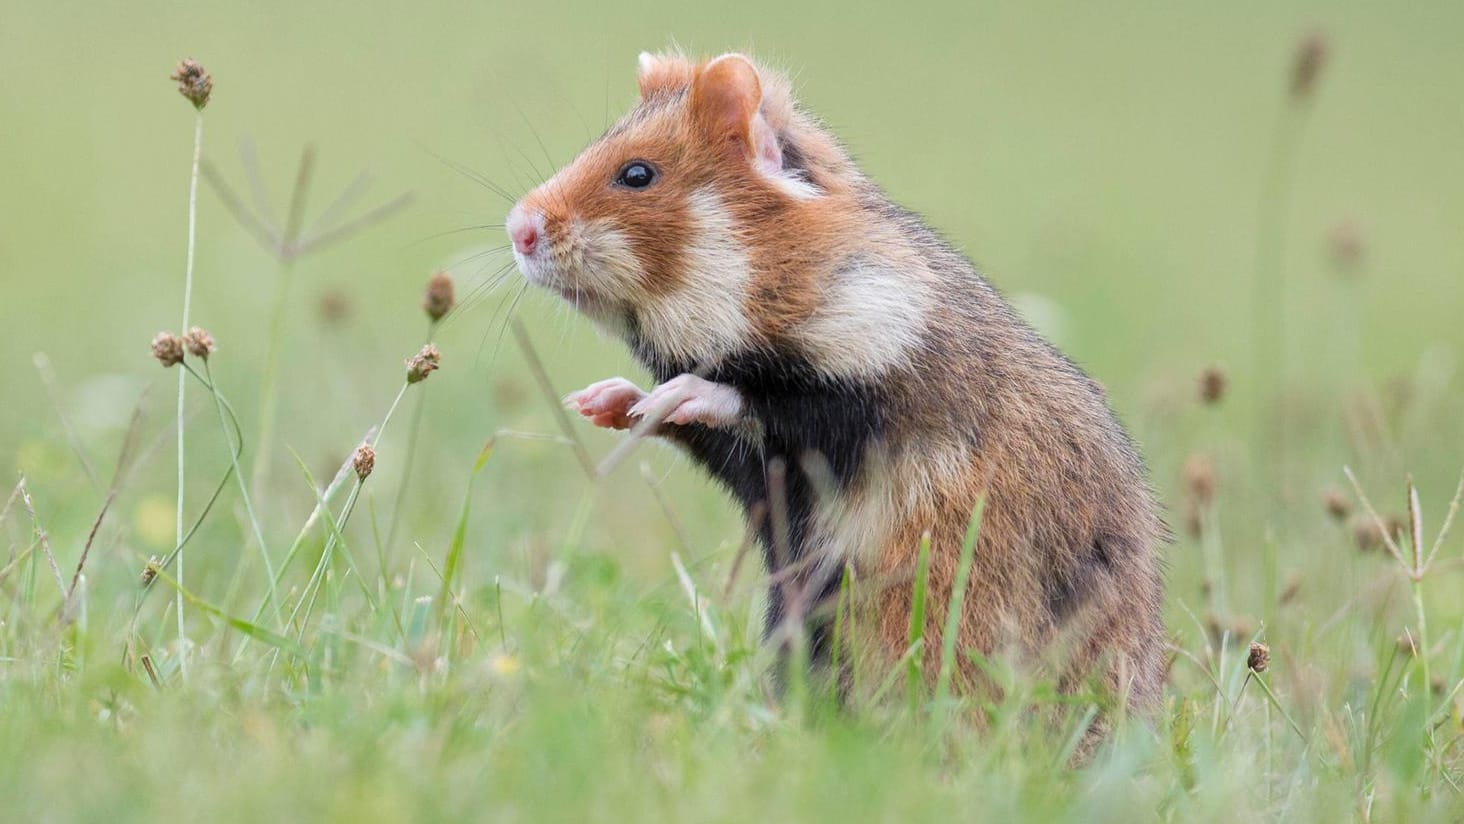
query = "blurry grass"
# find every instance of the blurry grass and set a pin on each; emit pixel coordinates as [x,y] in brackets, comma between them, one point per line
[540,646]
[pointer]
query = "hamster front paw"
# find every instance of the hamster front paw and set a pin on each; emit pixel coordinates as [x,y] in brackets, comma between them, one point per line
[607,403]
[688,399]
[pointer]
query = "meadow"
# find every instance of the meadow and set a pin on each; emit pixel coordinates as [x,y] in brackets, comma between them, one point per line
[1243,219]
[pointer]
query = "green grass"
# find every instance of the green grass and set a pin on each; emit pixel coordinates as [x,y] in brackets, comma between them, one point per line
[504,638]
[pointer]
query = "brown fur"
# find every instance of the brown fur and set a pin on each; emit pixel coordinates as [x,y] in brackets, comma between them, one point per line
[1067,572]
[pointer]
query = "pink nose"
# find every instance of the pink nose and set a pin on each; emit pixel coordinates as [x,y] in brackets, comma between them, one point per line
[525,228]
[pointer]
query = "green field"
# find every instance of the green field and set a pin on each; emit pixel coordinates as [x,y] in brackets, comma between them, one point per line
[1140,178]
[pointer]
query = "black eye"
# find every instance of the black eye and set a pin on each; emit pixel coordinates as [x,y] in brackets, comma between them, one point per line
[637,174]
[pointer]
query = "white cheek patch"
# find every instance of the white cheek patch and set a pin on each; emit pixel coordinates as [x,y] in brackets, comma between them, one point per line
[705,319]
[599,256]
[870,319]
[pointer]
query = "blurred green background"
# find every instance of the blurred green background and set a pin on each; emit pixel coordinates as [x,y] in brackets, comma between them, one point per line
[1103,164]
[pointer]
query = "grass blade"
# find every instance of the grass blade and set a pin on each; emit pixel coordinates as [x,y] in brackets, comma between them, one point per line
[917,623]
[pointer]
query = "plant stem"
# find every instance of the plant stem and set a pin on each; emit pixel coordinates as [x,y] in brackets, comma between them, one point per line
[235,441]
[411,457]
[183,375]
[1416,585]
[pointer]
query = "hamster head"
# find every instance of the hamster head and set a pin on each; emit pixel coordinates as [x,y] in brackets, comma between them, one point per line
[652,230]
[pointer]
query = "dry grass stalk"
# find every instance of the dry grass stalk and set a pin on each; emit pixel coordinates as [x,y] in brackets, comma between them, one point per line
[41,536]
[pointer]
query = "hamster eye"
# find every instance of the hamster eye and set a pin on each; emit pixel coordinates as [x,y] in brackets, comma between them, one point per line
[637,174]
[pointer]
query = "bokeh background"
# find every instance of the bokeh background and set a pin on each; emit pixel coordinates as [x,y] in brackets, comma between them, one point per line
[1103,164]
[1107,165]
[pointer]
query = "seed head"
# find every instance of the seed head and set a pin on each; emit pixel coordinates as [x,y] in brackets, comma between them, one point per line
[365,461]
[199,342]
[1291,590]
[168,349]
[1348,245]
[334,306]
[1306,67]
[438,300]
[1213,381]
[1366,534]
[193,82]
[1259,658]
[150,569]
[1199,478]
[1194,520]
[1406,645]
[422,364]
[1338,505]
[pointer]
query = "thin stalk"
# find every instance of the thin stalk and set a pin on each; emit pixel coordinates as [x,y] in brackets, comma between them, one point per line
[312,587]
[324,500]
[373,440]
[1416,587]
[235,441]
[1271,696]
[411,456]
[183,377]
[955,607]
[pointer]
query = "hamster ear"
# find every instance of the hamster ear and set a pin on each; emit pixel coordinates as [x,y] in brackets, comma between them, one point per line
[725,98]
[663,74]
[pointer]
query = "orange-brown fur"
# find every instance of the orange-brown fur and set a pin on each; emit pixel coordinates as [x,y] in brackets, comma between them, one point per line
[983,406]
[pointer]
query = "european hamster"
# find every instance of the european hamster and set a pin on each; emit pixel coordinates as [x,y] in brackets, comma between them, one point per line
[832,361]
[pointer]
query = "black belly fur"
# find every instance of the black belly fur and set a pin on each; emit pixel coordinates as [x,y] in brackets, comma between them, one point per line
[819,429]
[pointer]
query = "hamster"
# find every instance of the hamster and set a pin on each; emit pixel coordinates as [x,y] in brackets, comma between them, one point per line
[854,383]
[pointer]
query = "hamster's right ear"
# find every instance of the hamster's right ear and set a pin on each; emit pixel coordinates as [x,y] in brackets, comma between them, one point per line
[725,98]
[662,74]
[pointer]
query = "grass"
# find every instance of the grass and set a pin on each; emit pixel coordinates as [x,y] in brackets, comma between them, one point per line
[537,623]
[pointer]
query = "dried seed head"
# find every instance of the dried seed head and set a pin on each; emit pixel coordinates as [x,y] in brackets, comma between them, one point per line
[365,461]
[1199,478]
[334,306]
[1338,505]
[1306,67]
[150,569]
[1366,534]
[193,82]
[422,364]
[438,300]
[199,342]
[1397,526]
[1259,658]
[1213,381]
[168,349]
[1348,245]
[1194,520]
[1406,645]
[1291,590]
